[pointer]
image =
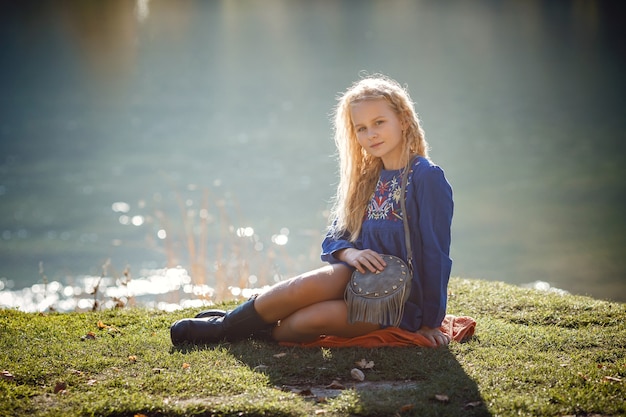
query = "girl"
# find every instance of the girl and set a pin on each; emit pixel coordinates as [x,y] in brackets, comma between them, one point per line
[377,133]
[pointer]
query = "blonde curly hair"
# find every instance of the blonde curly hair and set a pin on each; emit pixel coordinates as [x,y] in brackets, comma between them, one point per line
[358,170]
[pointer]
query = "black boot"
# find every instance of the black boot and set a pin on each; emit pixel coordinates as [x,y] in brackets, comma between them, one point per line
[211,313]
[236,325]
[263,334]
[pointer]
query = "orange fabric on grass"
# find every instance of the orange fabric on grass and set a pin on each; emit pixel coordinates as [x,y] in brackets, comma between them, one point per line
[457,327]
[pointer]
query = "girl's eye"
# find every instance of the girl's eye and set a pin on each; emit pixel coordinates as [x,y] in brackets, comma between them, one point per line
[360,129]
[380,122]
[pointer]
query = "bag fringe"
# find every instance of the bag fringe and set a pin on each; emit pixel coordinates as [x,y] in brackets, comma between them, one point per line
[386,311]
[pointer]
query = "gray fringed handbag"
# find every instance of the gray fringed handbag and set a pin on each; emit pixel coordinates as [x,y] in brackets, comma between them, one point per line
[379,297]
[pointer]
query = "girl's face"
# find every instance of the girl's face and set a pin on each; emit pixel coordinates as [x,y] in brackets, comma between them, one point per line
[379,131]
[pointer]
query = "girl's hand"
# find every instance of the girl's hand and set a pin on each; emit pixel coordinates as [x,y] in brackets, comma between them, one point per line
[434,336]
[362,259]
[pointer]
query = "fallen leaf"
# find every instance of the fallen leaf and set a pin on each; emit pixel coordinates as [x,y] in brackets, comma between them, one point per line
[357,374]
[132,358]
[612,379]
[319,412]
[101,325]
[335,385]
[7,376]
[92,382]
[140,415]
[186,365]
[407,407]
[60,387]
[89,336]
[158,370]
[365,364]
[280,355]
[442,398]
[472,404]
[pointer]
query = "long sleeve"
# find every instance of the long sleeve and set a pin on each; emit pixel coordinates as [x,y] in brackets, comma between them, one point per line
[330,245]
[435,208]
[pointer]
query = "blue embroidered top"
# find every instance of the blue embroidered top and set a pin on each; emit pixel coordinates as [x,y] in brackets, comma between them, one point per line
[429,205]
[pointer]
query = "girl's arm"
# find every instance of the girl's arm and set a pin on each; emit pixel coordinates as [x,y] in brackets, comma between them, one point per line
[332,246]
[435,206]
[343,251]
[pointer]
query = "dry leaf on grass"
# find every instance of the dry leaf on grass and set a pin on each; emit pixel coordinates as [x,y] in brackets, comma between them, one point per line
[365,364]
[7,376]
[280,355]
[186,365]
[60,387]
[612,379]
[89,336]
[442,398]
[472,404]
[406,408]
[335,385]
[110,329]
[132,358]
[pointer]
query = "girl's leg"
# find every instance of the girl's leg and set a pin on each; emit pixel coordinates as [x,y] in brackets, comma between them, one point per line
[307,306]
[323,318]
[286,297]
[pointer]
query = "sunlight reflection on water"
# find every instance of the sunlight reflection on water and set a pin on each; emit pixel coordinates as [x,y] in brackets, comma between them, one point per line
[167,289]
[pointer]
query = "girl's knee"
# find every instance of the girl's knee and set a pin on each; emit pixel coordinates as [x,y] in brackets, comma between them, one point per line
[324,283]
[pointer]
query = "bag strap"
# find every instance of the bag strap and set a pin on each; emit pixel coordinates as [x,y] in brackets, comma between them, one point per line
[405,220]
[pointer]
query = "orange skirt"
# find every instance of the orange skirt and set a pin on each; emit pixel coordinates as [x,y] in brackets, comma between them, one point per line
[458,328]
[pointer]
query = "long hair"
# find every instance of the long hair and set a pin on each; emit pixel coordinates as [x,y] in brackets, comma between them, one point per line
[359,171]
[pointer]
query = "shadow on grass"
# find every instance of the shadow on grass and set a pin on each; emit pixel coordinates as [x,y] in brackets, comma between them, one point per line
[410,381]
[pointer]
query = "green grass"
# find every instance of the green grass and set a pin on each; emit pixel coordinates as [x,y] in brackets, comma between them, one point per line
[533,354]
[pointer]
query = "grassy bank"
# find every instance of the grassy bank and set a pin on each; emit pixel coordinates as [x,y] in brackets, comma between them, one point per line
[533,354]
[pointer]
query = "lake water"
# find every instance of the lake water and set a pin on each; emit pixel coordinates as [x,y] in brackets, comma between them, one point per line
[148,135]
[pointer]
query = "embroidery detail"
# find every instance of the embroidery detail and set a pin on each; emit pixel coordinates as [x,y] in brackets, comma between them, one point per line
[385,203]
